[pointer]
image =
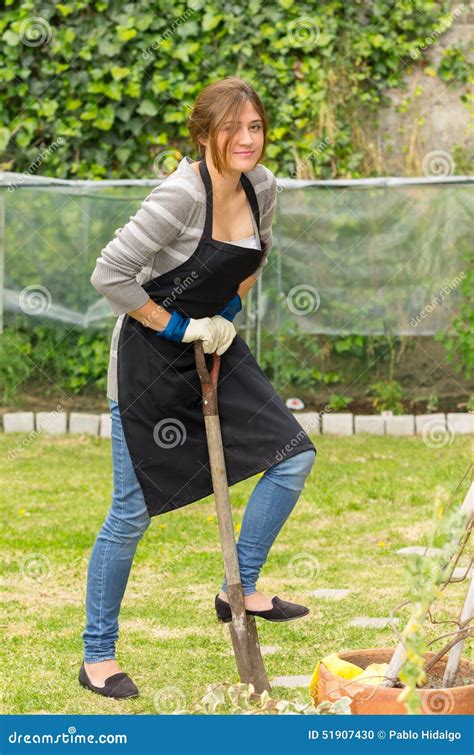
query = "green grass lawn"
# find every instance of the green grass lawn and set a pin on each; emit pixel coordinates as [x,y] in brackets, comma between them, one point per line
[366,497]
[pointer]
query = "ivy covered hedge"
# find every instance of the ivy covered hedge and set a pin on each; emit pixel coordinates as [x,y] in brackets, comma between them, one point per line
[103,89]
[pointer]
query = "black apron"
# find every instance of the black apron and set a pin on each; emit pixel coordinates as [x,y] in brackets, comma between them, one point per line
[159,390]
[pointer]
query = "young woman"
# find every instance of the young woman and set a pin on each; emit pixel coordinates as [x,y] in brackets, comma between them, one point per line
[177,272]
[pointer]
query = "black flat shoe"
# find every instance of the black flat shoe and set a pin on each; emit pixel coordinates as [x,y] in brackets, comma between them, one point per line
[118,685]
[282,610]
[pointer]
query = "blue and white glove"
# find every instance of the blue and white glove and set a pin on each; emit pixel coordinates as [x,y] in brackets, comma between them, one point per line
[233,306]
[216,333]
[187,329]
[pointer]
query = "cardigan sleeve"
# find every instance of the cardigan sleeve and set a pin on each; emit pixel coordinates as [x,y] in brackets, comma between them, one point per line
[161,217]
[266,225]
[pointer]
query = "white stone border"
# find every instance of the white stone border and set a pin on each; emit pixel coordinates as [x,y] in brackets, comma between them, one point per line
[324,423]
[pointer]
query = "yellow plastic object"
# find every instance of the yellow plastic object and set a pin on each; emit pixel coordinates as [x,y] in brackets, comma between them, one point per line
[373,673]
[337,666]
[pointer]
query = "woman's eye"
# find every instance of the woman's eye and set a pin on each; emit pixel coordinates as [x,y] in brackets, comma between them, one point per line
[258,126]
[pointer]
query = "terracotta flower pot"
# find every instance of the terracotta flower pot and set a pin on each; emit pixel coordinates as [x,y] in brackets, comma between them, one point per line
[370,699]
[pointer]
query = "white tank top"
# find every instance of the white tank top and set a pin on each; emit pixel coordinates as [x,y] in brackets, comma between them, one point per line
[250,241]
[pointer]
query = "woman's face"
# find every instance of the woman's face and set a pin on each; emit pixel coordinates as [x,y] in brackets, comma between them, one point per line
[246,145]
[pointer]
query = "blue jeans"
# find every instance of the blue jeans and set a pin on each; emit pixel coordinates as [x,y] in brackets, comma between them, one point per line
[270,504]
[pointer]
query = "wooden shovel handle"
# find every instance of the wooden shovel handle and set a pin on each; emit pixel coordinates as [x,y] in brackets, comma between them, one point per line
[208,381]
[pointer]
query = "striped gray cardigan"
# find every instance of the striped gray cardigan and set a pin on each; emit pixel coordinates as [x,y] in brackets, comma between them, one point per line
[163,234]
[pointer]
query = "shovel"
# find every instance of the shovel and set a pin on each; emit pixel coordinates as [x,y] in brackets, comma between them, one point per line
[243,629]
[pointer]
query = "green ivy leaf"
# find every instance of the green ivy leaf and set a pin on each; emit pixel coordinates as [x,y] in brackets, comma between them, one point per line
[211,20]
[119,73]
[147,107]
[126,34]
[11,38]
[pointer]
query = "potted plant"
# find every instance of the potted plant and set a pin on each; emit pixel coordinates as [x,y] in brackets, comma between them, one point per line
[412,679]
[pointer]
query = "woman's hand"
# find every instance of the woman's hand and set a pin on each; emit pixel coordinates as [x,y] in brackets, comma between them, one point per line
[202,329]
[226,333]
[216,333]
[188,329]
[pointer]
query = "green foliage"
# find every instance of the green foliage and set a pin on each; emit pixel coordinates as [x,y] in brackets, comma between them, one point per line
[287,355]
[53,357]
[454,65]
[339,403]
[111,83]
[427,574]
[242,700]
[15,365]
[387,395]
[459,340]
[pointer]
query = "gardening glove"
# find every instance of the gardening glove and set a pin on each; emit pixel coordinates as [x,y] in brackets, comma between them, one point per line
[233,306]
[226,333]
[187,329]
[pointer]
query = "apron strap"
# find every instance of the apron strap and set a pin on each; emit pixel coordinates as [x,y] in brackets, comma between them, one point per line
[249,192]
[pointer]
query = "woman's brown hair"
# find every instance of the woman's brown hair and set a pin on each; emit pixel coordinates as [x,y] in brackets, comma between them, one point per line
[216,103]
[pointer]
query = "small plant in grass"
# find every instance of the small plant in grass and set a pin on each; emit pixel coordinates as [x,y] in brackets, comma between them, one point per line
[338,403]
[387,395]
